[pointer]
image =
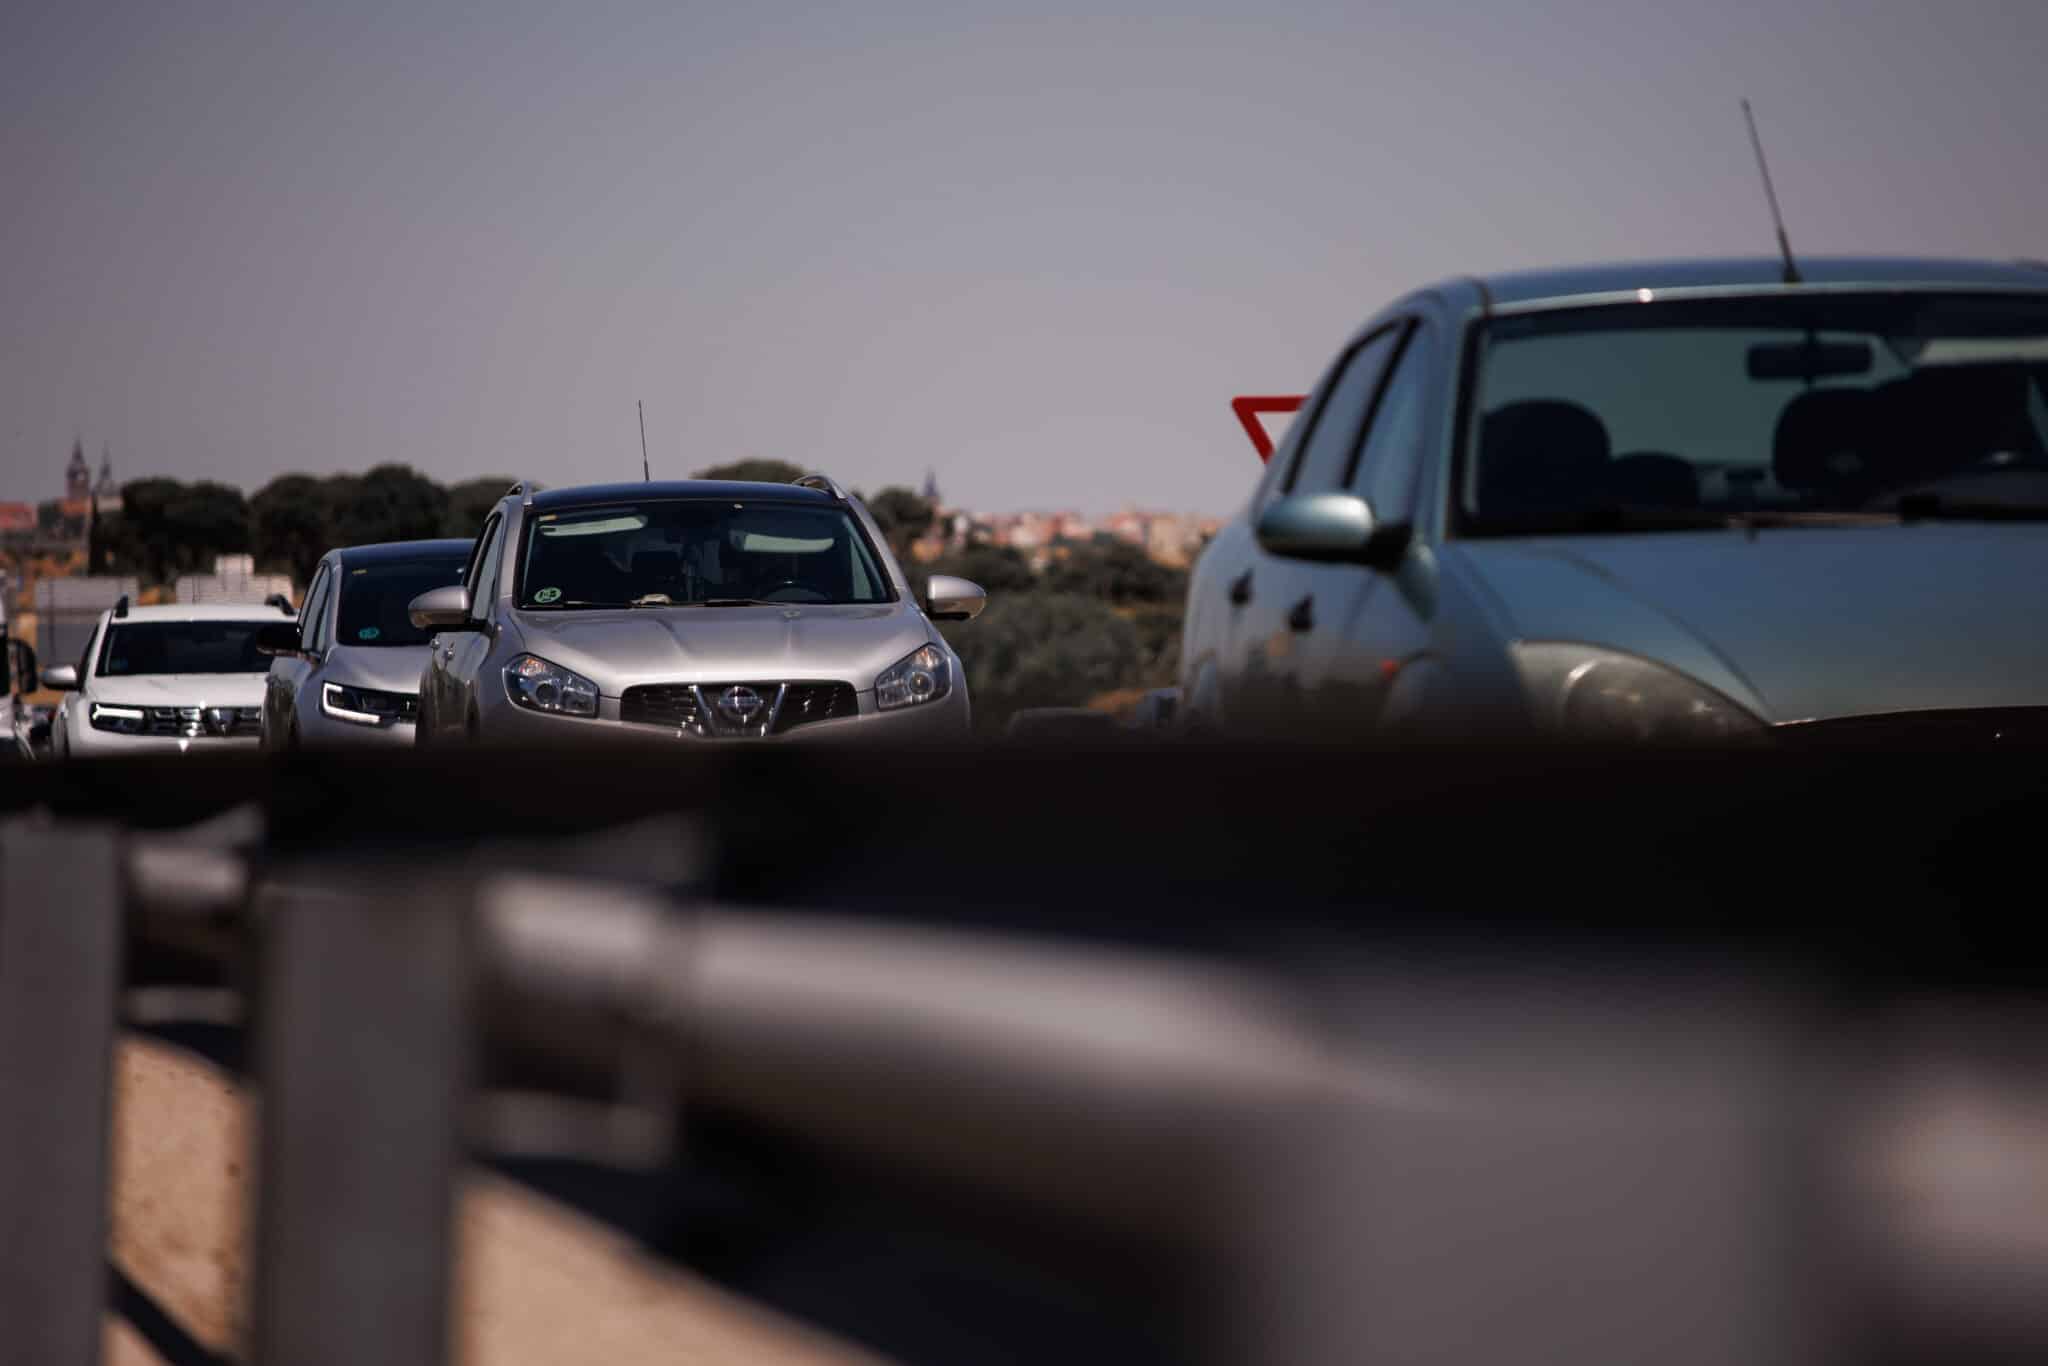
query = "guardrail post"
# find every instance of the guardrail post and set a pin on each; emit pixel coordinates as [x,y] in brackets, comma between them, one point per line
[60,971]
[364,1052]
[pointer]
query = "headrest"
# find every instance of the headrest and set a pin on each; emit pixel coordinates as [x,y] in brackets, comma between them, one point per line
[1655,479]
[1538,455]
[1943,417]
[1826,439]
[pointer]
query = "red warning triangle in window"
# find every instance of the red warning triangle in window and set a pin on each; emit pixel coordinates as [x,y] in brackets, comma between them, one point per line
[1248,410]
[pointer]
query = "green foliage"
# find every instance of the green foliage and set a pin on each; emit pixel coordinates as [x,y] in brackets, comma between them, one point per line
[997,568]
[754,471]
[471,501]
[1043,650]
[389,503]
[1116,571]
[902,515]
[288,525]
[166,528]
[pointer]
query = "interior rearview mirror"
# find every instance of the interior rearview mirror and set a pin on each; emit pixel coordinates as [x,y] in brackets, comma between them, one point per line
[278,638]
[1331,528]
[62,677]
[947,598]
[441,609]
[1809,360]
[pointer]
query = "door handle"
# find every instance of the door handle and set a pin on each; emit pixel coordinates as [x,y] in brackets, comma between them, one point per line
[1303,617]
[1241,589]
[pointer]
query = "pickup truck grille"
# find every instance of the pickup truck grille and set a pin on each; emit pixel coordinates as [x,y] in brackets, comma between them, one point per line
[748,710]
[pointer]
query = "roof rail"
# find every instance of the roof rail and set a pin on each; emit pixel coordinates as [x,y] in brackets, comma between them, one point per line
[819,481]
[121,607]
[2030,262]
[524,490]
[280,602]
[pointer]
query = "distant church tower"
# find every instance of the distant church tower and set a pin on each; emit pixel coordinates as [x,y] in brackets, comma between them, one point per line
[931,487]
[77,475]
[106,487]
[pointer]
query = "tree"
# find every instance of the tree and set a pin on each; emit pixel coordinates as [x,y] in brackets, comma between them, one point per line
[754,472]
[389,503]
[289,520]
[166,528]
[1043,650]
[1114,569]
[902,515]
[470,502]
[997,568]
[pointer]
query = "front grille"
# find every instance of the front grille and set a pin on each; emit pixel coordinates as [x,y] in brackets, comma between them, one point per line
[189,722]
[1985,728]
[697,707]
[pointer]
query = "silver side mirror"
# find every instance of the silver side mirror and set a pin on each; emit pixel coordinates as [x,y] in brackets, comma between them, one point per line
[949,599]
[1331,528]
[62,677]
[441,609]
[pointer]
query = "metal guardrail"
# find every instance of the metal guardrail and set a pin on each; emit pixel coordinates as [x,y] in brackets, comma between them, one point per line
[1376,1158]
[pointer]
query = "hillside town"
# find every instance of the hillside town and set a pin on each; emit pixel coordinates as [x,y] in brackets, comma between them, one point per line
[1171,539]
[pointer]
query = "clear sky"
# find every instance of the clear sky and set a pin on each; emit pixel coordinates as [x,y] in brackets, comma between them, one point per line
[1036,247]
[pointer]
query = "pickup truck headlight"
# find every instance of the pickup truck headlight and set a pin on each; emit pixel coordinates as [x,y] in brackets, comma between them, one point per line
[923,675]
[120,720]
[362,706]
[1583,692]
[538,685]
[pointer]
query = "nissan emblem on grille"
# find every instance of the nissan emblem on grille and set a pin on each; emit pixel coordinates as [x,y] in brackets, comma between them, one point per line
[740,702]
[220,720]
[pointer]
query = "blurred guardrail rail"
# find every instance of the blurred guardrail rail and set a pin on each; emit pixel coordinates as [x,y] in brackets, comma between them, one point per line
[1191,1055]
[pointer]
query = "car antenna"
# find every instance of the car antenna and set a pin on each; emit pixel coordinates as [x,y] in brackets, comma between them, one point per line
[1777,219]
[644,472]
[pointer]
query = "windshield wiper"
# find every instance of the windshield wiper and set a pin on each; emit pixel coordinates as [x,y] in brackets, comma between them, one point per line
[664,600]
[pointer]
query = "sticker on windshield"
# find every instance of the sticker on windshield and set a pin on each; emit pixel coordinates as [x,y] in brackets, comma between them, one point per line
[547,595]
[368,633]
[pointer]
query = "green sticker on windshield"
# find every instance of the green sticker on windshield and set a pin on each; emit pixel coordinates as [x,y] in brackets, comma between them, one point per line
[547,595]
[368,633]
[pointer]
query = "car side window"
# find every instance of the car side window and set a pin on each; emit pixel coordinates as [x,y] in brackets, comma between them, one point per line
[1387,461]
[1333,434]
[312,616]
[483,582]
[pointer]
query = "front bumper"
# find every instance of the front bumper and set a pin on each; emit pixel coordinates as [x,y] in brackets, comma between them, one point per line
[89,743]
[939,722]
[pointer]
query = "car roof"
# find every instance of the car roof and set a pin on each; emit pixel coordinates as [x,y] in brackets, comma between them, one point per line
[1752,272]
[450,547]
[203,611]
[584,494]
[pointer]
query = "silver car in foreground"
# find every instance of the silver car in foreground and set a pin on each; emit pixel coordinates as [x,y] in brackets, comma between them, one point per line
[689,611]
[347,672]
[1679,501]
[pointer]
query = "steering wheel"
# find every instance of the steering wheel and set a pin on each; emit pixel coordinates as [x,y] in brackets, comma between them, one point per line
[792,590]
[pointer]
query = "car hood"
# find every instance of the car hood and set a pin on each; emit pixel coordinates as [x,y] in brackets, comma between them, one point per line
[617,650]
[180,690]
[1798,623]
[387,668]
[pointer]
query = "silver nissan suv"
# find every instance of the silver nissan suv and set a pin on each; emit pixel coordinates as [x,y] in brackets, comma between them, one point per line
[688,612]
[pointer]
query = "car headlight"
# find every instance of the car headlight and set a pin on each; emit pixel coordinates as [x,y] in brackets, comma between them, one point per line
[923,675]
[365,706]
[538,685]
[121,720]
[1587,693]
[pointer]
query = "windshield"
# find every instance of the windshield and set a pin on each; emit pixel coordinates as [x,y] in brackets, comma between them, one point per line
[374,598]
[1669,414]
[182,647]
[703,552]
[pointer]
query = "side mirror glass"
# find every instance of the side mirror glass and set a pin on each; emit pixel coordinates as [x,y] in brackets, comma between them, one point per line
[63,678]
[441,609]
[1331,528]
[949,599]
[278,638]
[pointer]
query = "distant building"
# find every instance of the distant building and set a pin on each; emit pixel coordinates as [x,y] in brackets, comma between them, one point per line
[77,476]
[17,517]
[106,490]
